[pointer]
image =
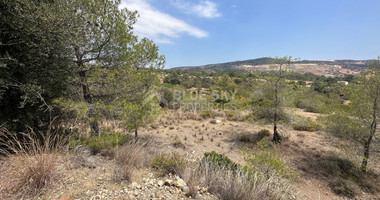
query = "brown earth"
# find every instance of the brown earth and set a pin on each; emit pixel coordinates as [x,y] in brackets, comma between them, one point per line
[92,178]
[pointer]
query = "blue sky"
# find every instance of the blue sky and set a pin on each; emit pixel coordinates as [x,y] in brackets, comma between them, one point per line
[198,32]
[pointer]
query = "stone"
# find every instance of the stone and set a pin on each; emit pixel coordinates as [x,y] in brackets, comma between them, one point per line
[180,183]
[168,182]
[136,185]
[202,190]
[160,183]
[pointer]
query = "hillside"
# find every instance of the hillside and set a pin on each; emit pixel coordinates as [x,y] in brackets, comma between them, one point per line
[318,67]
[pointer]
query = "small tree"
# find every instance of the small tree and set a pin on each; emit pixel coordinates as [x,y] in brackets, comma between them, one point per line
[280,66]
[358,120]
[114,69]
[101,36]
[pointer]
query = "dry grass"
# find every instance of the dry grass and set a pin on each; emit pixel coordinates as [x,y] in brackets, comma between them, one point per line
[240,185]
[30,162]
[27,174]
[130,157]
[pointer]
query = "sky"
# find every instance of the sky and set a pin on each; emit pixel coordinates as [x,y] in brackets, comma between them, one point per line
[199,32]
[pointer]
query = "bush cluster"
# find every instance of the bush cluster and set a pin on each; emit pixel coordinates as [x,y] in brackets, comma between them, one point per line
[166,163]
[105,141]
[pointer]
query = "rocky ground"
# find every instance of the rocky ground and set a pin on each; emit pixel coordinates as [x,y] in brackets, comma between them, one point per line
[93,179]
[86,176]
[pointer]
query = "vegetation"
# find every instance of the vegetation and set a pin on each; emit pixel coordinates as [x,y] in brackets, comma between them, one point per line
[167,163]
[281,65]
[220,160]
[109,73]
[357,121]
[129,158]
[30,163]
[74,75]
[345,188]
[178,144]
[105,141]
[305,125]
[266,162]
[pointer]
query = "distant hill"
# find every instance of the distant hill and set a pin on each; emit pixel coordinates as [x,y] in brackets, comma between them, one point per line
[318,67]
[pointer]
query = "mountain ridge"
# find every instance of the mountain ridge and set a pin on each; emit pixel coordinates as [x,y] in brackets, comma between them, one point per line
[318,67]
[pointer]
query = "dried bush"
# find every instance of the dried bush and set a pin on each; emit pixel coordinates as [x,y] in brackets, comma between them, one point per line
[128,158]
[30,162]
[235,185]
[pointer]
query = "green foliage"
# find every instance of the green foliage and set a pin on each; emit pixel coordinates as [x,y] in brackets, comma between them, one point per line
[340,167]
[167,163]
[244,138]
[35,61]
[263,103]
[266,162]
[345,188]
[207,114]
[316,102]
[234,116]
[220,160]
[105,141]
[307,124]
[166,96]
[85,54]
[263,133]
[178,144]
[343,126]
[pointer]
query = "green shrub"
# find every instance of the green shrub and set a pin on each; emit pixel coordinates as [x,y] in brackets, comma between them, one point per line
[263,133]
[250,117]
[233,116]
[306,125]
[311,101]
[166,163]
[267,113]
[266,162]
[220,160]
[106,141]
[244,138]
[340,167]
[207,114]
[178,144]
[166,96]
[344,187]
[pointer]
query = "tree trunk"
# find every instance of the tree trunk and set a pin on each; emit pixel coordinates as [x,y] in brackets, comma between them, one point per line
[367,144]
[88,99]
[276,134]
[93,121]
[363,167]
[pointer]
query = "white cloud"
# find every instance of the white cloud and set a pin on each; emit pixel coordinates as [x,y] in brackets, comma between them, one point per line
[159,26]
[204,8]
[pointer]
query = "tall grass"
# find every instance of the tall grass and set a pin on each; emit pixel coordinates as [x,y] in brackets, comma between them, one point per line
[236,185]
[29,162]
[129,157]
